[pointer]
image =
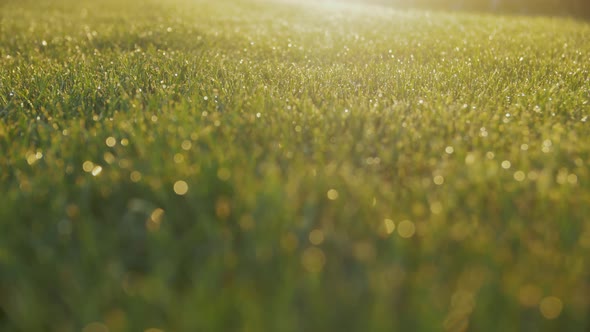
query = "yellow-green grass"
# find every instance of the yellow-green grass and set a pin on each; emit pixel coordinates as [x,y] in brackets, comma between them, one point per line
[263,166]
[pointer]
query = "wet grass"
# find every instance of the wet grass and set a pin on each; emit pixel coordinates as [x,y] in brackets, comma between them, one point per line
[256,166]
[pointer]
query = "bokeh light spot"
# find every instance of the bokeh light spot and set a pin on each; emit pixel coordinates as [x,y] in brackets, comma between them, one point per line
[332,194]
[313,259]
[88,166]
[436,207]
[186,145]
[180,187]
[389,226]
[135,176]
[551,307]
[316,237]
[470,159]
[155,219]
[572,179]
[96,170]
[438,180]
[111,142]
[406,229]
[109,158]
[519,176]
[178,158]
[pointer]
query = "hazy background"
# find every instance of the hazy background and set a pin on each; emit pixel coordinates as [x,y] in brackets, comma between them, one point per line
[577,8]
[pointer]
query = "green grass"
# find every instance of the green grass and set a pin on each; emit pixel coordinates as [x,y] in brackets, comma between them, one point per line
[349,168]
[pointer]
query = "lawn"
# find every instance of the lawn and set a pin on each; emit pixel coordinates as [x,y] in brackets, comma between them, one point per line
[248,165]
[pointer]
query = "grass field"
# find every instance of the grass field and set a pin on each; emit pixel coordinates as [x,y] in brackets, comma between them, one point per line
[262,166]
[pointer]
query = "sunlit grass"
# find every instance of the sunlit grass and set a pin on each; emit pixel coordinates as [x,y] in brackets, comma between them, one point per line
[260,166]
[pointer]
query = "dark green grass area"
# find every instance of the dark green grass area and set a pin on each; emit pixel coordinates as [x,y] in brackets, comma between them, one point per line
[261,166]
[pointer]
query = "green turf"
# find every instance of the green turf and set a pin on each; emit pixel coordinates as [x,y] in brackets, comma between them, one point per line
[349,168]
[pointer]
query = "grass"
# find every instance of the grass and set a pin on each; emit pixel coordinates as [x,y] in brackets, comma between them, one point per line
[261,166]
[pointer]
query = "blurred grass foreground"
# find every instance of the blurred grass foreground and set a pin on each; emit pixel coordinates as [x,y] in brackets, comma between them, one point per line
[262,166]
